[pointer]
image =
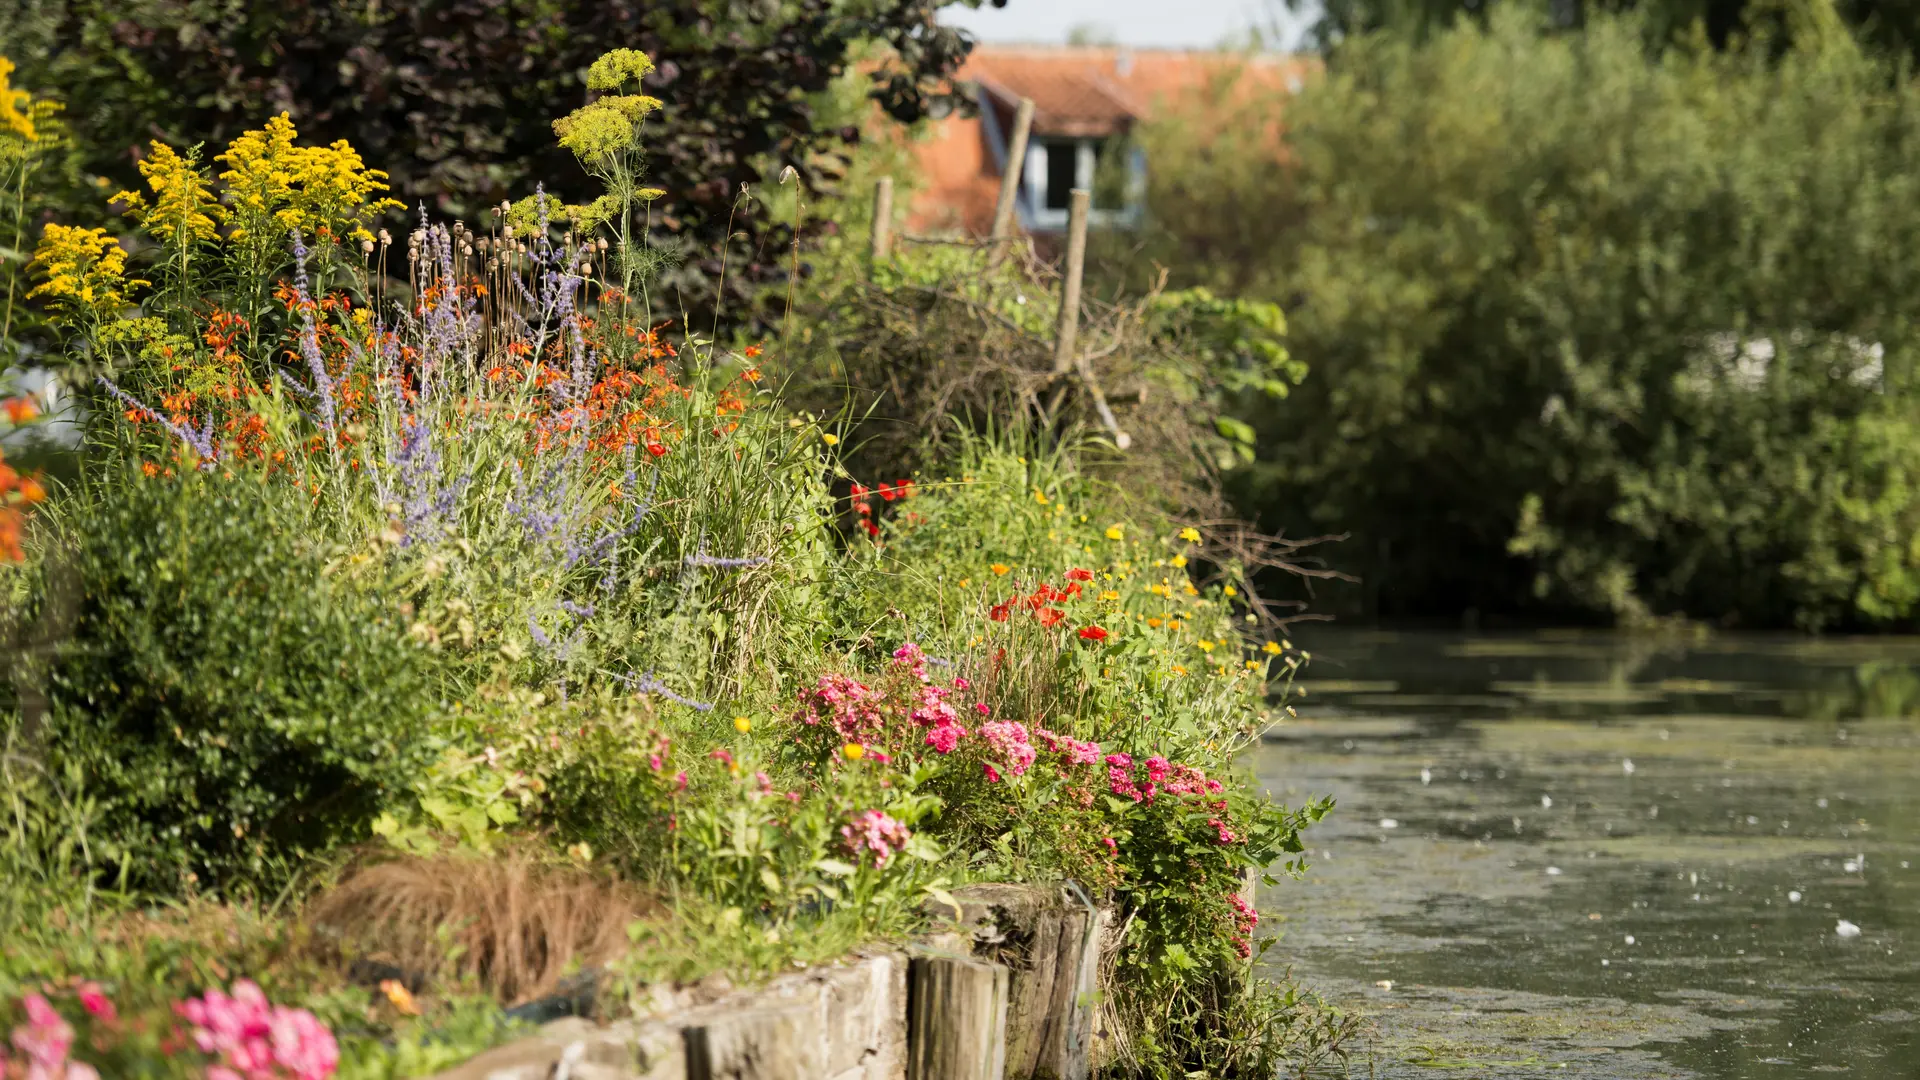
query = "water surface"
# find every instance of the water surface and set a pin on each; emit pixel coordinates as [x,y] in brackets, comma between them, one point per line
[1579,855]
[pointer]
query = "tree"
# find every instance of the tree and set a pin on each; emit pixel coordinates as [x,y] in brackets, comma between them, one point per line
[455,98]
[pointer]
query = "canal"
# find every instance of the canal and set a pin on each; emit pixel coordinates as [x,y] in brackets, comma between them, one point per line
[1586,855]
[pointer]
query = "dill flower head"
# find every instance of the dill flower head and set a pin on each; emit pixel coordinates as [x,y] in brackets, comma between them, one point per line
[16,106]
[617,67]
[183,206]
[604,127]
[83,273]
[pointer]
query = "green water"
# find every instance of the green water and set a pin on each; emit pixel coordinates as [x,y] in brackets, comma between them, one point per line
[1502,894]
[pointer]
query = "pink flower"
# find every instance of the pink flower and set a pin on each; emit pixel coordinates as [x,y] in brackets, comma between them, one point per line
[1112,848]
[1227,835]
[95,1001]
[257,1040]
[983,708]
[680,781]
[722,756]
[44,1039]
[850,706]
[993,774]
[932,707]
[764,782]
[1123,761]
[945,737]
[961,684]
[1081,752]
[1009,740]
[910,657]
[1157,768]
[876,832]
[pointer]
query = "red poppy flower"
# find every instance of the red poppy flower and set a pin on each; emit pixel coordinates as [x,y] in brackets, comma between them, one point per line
[1051,616]
[886,491]
[872,529]
[1077,574]
[656,449]
[1093,633]
[859,490]
[999,612]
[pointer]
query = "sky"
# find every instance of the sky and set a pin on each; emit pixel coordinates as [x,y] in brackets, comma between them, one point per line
[1140,23]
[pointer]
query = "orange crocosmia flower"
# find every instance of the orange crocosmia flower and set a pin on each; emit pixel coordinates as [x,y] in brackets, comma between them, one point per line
[752,375]
[20,409]
[150,468]
[31,491]
[753,351]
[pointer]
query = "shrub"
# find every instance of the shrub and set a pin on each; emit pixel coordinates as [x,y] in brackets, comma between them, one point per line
[1595,331]
[232,703]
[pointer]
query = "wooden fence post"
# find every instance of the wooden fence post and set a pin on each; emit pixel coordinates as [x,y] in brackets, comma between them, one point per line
[1010,179]
[882,218]
[1069,325]
[956,1019]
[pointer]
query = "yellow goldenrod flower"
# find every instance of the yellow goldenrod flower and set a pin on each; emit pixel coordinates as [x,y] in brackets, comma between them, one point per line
[1113,532]
[1205,645]
[1000,569]
[1271,649]
[183,206]
[742,725]
[1179,561]
[83,273]
[853,751]
[275,187]
[16,106]
[1190,534]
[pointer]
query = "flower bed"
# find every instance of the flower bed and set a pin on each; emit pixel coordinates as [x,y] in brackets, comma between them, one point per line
[481,571]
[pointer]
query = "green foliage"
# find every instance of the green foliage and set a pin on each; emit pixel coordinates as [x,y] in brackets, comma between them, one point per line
[1594,331]
[232,704]
[454,96]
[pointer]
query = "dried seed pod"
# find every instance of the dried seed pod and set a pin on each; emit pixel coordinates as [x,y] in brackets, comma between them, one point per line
[386,237]
[366,247]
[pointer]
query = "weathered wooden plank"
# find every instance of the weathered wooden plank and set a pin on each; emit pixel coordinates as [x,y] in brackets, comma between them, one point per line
[956,1019]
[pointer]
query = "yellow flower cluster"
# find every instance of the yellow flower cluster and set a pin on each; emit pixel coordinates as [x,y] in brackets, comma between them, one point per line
[16,106]
[83,271]
[275,186]
[605,127]
[613,69]
[183,206]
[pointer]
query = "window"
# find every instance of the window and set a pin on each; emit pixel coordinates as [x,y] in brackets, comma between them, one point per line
[1055,166]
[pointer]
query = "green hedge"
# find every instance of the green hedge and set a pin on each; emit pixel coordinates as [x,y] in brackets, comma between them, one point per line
[231,703]
[1594,331]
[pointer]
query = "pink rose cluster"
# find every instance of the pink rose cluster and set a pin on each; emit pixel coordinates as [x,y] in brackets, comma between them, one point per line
[877,832]
[931,709]
[1007,740]
[851,707]
[1244,920]
[42,1044]
[255,1039]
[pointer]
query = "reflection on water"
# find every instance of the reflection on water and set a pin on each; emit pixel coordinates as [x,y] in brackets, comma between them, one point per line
[1580,855]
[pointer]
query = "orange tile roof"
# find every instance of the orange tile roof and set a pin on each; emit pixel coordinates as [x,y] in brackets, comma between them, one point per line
[1077,92]
[1101,91]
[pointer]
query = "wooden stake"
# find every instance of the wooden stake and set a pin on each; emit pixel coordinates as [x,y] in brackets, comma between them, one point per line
[1069,325]
[1010,177]
[882,218]
[956,1019]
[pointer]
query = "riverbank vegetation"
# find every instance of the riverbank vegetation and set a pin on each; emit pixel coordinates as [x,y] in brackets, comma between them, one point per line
[1608,321]
[438,618]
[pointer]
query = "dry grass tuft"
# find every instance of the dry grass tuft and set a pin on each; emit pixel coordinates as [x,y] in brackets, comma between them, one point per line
[516,922]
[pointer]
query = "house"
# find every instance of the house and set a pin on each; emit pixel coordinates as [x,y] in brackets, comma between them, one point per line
[1087,102]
